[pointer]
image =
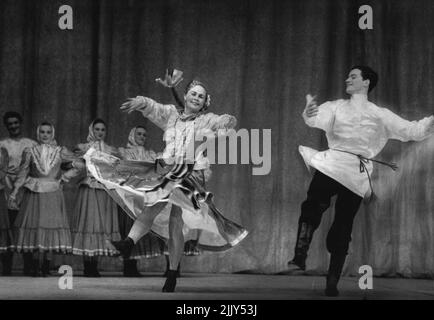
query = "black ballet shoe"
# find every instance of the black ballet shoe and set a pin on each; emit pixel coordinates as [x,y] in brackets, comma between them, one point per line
[170,284]
[178,271]
[124,247]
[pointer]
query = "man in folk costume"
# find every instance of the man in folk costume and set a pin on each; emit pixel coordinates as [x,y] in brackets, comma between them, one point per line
[356,130]
[15,145]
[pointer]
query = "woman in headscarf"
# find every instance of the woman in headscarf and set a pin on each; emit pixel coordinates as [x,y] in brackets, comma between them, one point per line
[42,226]
[183,185]
[95,219]
[150,245]
[5,231]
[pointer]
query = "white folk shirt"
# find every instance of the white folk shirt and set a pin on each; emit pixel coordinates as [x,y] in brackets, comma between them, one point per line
[360,127]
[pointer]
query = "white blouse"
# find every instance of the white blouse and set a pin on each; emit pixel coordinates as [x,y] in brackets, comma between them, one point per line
[179,134]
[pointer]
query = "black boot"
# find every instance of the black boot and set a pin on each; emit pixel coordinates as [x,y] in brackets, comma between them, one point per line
[130,269]
[124,247]
[170,284]
[45,269]
[7,259]
[304,238]
[27,263]
[94,269]
[86,268]
[335,269]
[36,269]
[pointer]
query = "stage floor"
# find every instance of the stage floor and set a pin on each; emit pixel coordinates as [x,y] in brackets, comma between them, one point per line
[198,286]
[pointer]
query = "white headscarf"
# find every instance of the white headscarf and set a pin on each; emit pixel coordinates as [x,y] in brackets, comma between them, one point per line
[52,141]
[45,154]
[97,144]
[135,151]
[132,138]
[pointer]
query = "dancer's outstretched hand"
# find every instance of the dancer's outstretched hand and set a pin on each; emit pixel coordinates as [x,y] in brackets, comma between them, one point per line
[311,109]
[132,104]
[172,79]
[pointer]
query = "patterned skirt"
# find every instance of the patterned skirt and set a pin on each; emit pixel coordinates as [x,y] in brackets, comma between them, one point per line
[42,224]
[135,185]
[95,223]
[5,227]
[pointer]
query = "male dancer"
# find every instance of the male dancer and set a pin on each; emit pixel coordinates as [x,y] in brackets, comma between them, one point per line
[15,146]
[356,130]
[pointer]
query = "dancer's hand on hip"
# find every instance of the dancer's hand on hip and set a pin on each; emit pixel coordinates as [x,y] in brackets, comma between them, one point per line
[311,109]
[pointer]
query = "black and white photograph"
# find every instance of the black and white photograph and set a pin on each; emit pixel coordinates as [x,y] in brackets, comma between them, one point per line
[216,154]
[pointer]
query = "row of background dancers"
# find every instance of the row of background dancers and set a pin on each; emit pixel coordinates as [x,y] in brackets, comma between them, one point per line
[33,217]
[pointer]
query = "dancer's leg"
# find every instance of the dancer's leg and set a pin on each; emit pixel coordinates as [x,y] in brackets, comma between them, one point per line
[176,247]
[339,236]
[142,225]
[176,237]
[321,189]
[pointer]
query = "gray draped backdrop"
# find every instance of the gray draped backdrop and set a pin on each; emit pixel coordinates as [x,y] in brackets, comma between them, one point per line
[259,59]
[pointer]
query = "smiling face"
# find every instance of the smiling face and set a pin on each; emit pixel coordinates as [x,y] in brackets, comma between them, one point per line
[45,133]
[355,82]
[140,136]
[194,99]
[14,127]
[99,131]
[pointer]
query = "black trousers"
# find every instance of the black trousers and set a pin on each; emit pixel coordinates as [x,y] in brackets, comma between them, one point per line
[321,190]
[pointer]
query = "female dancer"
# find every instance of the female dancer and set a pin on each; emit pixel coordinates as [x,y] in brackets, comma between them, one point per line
[96,217]
[183,185]
[42,225]
[5,231]
[150,245]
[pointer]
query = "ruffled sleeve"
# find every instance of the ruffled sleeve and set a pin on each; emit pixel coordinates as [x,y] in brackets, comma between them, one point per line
[23,171]
[157,113]
[213,124]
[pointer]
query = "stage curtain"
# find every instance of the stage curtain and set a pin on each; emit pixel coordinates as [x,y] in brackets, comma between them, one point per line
[259,60]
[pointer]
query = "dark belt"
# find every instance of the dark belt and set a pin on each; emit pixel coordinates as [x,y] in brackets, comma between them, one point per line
[362,166]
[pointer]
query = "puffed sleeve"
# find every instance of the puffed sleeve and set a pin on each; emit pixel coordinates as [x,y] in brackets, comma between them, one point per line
[4,162]
[23,171]
[157,113]
[213,124]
